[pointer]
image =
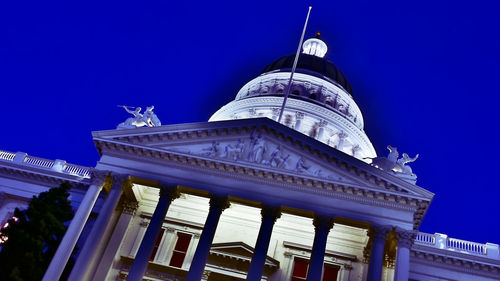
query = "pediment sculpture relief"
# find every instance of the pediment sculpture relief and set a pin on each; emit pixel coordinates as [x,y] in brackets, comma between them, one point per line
[256,149]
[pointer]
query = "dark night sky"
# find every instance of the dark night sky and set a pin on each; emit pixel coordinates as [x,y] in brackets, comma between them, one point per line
[424,74]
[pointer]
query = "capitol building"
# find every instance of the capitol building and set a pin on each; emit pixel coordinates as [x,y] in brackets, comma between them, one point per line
[255,193]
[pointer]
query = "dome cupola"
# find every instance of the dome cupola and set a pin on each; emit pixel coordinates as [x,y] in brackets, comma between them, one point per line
[319,105]
[315,47]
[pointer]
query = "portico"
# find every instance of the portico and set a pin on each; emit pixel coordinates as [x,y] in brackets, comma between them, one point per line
[185,157]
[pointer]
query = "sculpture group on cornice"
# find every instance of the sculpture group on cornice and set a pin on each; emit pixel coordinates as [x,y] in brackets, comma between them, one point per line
[146,119]
[393,163]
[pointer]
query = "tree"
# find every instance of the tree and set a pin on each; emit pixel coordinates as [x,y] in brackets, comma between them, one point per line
[31,241]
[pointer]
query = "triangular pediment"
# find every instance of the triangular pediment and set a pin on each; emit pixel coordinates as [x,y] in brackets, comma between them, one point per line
[265,145]
[239,250]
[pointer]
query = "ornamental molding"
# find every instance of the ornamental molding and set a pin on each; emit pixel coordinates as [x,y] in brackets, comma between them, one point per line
[269,178]
[271,82]
[455,261]
[358,181]
[130,207]
[42,177]
[334,119]
[285,182]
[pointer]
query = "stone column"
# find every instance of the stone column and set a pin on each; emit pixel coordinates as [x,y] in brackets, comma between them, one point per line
[405,240]
[322,226]
[298,120]
[321,132]
[167,194]
[342,136]
[269,216]
[217,205]
[87,259]
[129,208]
[377,254]
[75,228]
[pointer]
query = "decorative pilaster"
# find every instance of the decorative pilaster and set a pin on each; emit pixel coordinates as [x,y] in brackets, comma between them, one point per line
[143,225]
[379,235]
[166,246]
[217,205]
[167,195]
[322,226]
[129,208]
[75,228]
[86,263]
[405,240]
[269,216]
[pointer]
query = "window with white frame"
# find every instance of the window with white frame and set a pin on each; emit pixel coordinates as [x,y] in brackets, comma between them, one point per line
[180,249]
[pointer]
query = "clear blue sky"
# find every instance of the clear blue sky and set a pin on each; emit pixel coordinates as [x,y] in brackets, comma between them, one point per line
[424,74]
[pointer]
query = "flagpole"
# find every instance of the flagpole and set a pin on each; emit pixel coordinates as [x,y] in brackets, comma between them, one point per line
[294,66]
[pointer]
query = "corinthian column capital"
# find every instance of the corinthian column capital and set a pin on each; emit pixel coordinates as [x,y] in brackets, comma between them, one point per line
[405,237]
[380,231]
[323,223]
[121,180]
[268,212]
[169,192]
[219,202]
[98,177]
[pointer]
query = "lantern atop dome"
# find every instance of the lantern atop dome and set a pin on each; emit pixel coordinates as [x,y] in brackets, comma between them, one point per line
[315,46]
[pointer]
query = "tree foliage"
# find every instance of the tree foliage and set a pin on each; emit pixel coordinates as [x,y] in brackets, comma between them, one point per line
[32,240]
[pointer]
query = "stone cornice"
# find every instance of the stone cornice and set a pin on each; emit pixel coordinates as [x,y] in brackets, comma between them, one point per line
[196,131]
[39,176]
[455,261]
[390,192]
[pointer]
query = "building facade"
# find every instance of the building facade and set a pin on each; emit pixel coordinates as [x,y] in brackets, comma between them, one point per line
[244,197]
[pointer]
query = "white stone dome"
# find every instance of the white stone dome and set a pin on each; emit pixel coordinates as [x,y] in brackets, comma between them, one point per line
[319,105]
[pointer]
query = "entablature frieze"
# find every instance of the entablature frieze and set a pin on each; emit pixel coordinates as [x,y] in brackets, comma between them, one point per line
[363,195]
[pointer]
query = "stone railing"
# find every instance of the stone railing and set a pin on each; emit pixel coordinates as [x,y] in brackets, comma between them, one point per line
[77,170]
[5,155]
[442,241]
[425,239]
[60,166]
[467,246]
[38,162]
